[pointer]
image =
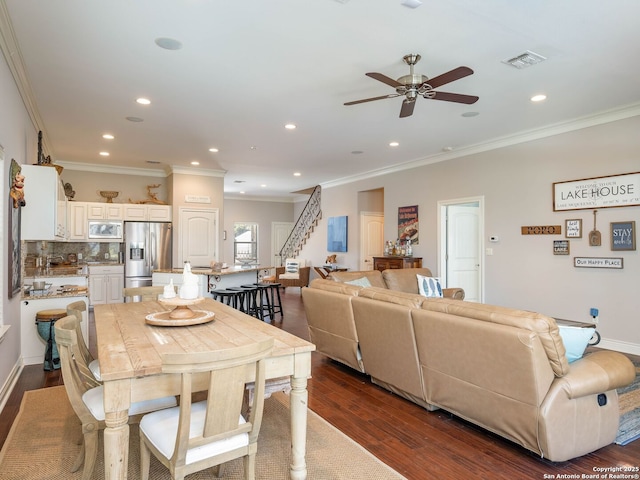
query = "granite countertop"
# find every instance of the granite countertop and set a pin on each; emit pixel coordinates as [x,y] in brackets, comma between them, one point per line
[56,291]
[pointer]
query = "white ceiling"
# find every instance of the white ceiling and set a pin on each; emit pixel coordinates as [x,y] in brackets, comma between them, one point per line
[249,67]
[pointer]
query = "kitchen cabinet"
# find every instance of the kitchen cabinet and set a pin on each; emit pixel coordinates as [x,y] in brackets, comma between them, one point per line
[77,221]
[105,284]
[44,217]
[104,211]
[147,213]
[384,263]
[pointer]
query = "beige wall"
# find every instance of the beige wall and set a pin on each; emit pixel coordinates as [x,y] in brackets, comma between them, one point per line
[516,183]
[131,188]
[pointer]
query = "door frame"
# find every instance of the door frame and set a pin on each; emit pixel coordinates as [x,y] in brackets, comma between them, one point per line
[362,215]
[442,238]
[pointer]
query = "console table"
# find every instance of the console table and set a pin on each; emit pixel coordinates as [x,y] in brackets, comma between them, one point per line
[384,263]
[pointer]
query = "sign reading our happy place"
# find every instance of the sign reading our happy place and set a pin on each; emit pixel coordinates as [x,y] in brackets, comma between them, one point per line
[601,192]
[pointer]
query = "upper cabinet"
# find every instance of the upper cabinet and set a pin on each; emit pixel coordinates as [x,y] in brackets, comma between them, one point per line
[147,212]
[44,217]
[104,211]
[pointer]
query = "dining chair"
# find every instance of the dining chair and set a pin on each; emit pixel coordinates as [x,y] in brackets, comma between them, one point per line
[87,402]
[142,294]
[92,364]
[196,436]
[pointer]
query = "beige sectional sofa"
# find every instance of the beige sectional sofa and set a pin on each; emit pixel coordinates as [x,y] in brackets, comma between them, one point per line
[500,368]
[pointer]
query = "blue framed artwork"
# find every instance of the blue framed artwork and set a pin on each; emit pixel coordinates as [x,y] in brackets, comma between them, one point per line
[337,234]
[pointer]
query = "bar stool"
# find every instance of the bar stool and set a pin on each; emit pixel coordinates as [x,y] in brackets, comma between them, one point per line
[228,297]
[243,303]
[254,301]
[45,320]
[276,307]
[263,303]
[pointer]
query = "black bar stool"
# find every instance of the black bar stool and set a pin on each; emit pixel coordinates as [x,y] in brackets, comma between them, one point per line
[263,303]
[276,307]
[254,303]
[228,297]
[244,302]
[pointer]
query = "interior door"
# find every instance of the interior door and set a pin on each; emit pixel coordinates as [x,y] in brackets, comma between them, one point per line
[280,231]
[198,236]
[463,249]
[371,238]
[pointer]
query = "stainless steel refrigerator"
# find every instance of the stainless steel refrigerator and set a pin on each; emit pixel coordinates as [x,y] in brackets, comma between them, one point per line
[147,248]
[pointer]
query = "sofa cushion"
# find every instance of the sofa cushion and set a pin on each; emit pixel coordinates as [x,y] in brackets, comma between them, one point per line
[429,286]
[404,279]
[374,277]
[575,340]
[335,287]
[360,282]
[411,300]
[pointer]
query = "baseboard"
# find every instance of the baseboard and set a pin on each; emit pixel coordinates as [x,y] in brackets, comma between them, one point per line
[618,346]
[8,386]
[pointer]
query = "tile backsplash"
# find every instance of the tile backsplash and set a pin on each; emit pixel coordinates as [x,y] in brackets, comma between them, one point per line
[84,251]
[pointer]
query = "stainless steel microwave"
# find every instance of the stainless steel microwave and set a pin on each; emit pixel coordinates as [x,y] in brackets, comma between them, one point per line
[105,230]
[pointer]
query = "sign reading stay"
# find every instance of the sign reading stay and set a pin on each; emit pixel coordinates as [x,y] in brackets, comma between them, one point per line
[542,230]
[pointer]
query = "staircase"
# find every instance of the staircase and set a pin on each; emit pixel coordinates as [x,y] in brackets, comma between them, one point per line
[304,227]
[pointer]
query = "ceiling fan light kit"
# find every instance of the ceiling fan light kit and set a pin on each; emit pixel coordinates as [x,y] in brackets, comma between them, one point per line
[412,86]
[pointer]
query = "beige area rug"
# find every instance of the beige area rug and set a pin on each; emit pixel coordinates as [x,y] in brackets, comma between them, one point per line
[43,444]
[629,401]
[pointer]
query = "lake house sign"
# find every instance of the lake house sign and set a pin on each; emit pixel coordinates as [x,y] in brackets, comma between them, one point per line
[600,192]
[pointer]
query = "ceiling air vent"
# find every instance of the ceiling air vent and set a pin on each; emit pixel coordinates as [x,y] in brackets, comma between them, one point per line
[525,60]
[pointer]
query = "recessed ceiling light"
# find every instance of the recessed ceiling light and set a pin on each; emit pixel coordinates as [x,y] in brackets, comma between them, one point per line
[538,98]
[263,185]
[213,150]
[242,192]
[143,101]
[296,174]
[135,119]
[195,163]
[253,147]
[290,126]
[470,114]
[168,43]
[393,144]
[104,154]
[108,136]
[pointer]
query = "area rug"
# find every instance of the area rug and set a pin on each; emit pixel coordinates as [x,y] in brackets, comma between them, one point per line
[43,443]
[629,401]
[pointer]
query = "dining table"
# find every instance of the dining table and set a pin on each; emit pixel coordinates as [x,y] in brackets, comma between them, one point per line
[131,340]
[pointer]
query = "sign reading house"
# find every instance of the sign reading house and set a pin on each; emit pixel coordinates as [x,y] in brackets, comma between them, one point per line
[601,192]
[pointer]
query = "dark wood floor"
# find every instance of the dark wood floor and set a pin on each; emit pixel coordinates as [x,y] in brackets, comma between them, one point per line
[418,444]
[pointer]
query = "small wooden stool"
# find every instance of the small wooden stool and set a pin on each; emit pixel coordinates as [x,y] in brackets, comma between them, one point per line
[45,320]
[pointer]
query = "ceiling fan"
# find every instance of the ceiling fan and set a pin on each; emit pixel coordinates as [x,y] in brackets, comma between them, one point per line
[412,86]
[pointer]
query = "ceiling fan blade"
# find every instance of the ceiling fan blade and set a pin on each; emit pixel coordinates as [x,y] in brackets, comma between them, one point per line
[355,102]
[407,108]
[384,79]
[455,97]
[450,76]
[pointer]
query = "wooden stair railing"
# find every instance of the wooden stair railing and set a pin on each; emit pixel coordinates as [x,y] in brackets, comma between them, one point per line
[304,227]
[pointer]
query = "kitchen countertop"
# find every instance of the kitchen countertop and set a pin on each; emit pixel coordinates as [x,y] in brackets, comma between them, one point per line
[209,271]
[56,291]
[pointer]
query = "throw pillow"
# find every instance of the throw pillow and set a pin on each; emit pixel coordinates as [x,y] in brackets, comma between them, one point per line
[360,282]
[575,340]
[429,286]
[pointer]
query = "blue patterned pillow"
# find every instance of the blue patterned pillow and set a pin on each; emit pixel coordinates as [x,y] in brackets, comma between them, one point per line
[429,286]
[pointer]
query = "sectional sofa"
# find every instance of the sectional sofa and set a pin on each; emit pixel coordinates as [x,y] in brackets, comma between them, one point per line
[500,368]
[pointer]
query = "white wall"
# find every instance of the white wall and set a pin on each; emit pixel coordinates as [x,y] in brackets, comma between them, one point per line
[19,139]
[516,182]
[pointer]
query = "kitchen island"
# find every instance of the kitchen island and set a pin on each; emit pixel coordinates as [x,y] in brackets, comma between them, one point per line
[210,279]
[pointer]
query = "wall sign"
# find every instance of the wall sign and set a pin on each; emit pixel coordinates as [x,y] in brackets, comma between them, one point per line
[408,224]
[597,262]
[561,247]
[623,235]
[573,228]
[599,192]
[542,230]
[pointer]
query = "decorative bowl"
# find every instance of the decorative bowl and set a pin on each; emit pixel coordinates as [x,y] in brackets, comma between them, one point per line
[109,195]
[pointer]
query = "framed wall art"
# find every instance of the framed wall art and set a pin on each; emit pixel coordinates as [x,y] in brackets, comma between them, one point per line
[599,192]
[623,235]
[573,228]
[337,234]
[561,247]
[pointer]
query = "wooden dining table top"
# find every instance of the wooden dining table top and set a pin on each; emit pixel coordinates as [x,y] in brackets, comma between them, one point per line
[128,347]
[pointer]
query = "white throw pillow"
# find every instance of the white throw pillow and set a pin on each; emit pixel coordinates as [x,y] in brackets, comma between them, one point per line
[575,340]
[360,282]
[429,286]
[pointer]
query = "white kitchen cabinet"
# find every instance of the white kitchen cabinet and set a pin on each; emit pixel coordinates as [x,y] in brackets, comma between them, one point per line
[44,217]
[105,284]
[77,221]
[104,211]
[147,213]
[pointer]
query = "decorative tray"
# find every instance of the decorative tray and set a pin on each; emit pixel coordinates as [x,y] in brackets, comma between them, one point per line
[181,315]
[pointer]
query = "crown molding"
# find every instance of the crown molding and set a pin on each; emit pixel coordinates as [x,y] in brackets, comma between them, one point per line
[196,171]
[244,198]
[112,169]
[581,123]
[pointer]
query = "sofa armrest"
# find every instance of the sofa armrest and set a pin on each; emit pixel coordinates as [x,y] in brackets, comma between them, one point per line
[455,293]
[597,372]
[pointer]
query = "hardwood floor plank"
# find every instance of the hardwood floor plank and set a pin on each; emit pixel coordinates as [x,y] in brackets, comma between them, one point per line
[416,443]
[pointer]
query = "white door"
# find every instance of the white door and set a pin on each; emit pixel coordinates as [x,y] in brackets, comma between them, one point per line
[460,247]
[371,238]
[198,236]
[280,231]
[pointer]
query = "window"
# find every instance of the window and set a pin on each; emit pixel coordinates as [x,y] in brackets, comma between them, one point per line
[245,243]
